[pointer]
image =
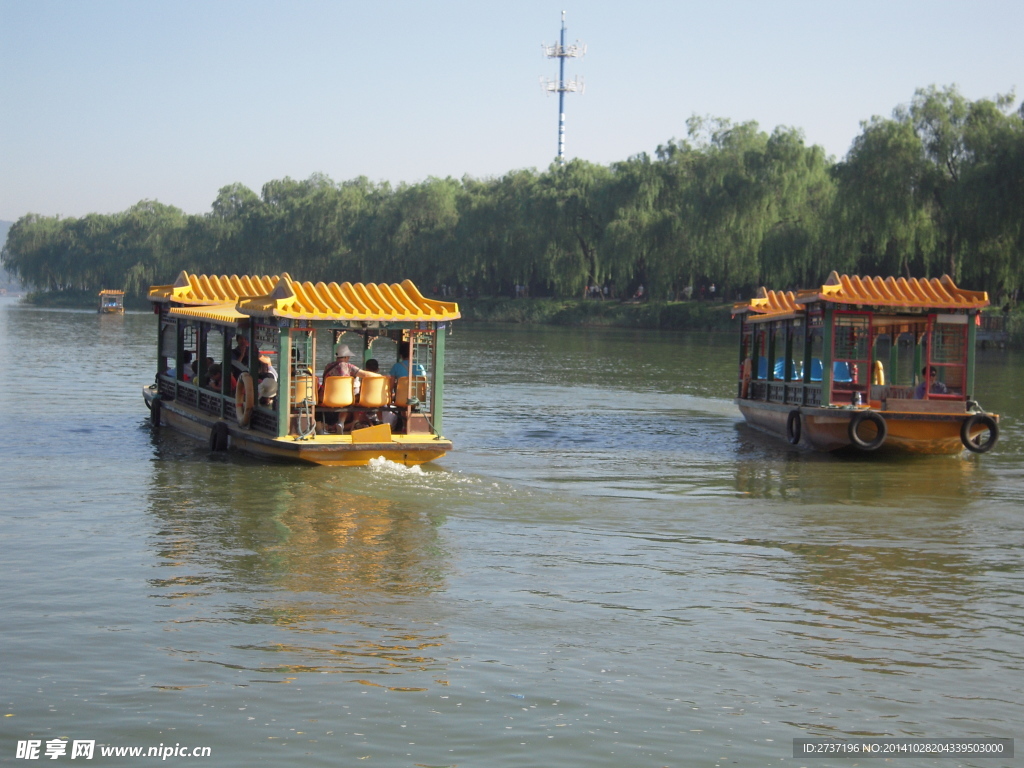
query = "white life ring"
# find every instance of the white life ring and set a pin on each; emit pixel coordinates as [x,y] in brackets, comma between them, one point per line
[244,399]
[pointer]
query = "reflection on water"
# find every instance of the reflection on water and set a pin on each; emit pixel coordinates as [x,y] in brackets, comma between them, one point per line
[300,553]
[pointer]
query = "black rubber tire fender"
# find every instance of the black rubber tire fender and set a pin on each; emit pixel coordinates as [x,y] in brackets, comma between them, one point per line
[154,412]
[794,427]
[875,418]
[984,420]
[219,437]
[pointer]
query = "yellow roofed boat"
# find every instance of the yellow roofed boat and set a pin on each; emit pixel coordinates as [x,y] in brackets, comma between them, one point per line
[865,362]
[111,302]
[238,361]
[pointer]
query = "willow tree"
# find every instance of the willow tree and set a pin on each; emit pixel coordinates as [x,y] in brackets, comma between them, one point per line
[993,193]
[571,215]
[882,216]
[794,249]
[642,240]
[976,153]
[727,210]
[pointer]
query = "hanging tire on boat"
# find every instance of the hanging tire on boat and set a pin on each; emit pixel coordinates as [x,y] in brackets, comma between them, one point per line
[219,437]
[794,427]
[154,412]
[970,424]
[882,430]
[245,397]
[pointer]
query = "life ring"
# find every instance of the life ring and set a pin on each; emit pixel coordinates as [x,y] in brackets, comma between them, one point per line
[794,427]
[878,374]
[745,378]
[982,420]
[219,437]
[154,412]
[244,399]
[880,425]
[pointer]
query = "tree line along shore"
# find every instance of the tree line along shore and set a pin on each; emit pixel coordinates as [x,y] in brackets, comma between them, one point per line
[937,188]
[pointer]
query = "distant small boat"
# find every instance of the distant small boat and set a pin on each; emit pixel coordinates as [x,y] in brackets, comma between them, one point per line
[865,362]
[263,396]
[111,302]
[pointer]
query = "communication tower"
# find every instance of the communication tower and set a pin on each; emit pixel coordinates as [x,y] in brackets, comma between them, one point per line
[561,86]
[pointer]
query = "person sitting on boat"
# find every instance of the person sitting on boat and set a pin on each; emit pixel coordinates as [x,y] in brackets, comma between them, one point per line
[401,368]
[267,381]
[204,379]
[187,373]
[928,373]
[240,354]
[341,367]
[214,378]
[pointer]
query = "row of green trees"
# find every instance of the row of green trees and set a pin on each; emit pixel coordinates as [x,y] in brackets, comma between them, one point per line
[937,188]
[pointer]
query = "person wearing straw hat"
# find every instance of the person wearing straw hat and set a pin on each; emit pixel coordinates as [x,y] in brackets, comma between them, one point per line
[341,367]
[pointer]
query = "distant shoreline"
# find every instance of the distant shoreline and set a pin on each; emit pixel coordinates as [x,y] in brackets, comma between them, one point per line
[699,316]
[665,315]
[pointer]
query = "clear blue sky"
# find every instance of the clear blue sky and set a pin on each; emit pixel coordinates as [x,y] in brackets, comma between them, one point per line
[108,102]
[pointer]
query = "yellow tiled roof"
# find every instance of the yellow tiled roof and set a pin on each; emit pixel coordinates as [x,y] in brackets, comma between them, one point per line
[280,296]
[924,293]
[348,301]
[111,292]
[769,305]
[211,289]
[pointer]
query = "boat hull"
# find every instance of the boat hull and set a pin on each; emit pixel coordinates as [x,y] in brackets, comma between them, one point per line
[828,429]
[326,450]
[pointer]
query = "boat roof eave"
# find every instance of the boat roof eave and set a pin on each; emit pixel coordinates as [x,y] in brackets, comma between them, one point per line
[895,293]
[769,317]
[219,314]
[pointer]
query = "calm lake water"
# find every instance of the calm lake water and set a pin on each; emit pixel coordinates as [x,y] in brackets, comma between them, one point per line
[610,570]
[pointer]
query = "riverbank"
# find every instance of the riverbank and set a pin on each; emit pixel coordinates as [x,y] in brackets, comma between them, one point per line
[666,315]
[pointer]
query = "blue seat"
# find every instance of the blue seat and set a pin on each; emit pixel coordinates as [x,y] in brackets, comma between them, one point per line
[762,367]
[816,369]
[780,368]
[840,371]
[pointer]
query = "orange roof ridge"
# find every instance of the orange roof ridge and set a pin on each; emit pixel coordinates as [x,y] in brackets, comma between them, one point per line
[937,293]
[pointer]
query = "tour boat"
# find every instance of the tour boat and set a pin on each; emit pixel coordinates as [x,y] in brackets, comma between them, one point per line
[111,302]
[237,359]
[868,362]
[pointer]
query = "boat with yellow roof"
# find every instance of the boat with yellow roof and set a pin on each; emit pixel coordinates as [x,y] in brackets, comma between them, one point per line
[111,302]
[237,358]
[865,362]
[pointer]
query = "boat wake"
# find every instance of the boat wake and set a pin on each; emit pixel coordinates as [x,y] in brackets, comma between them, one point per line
[386,466]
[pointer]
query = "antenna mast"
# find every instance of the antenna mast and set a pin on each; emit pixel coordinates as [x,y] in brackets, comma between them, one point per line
[562,86]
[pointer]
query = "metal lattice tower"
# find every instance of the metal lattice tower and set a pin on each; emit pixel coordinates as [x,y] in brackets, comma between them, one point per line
[561,86]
